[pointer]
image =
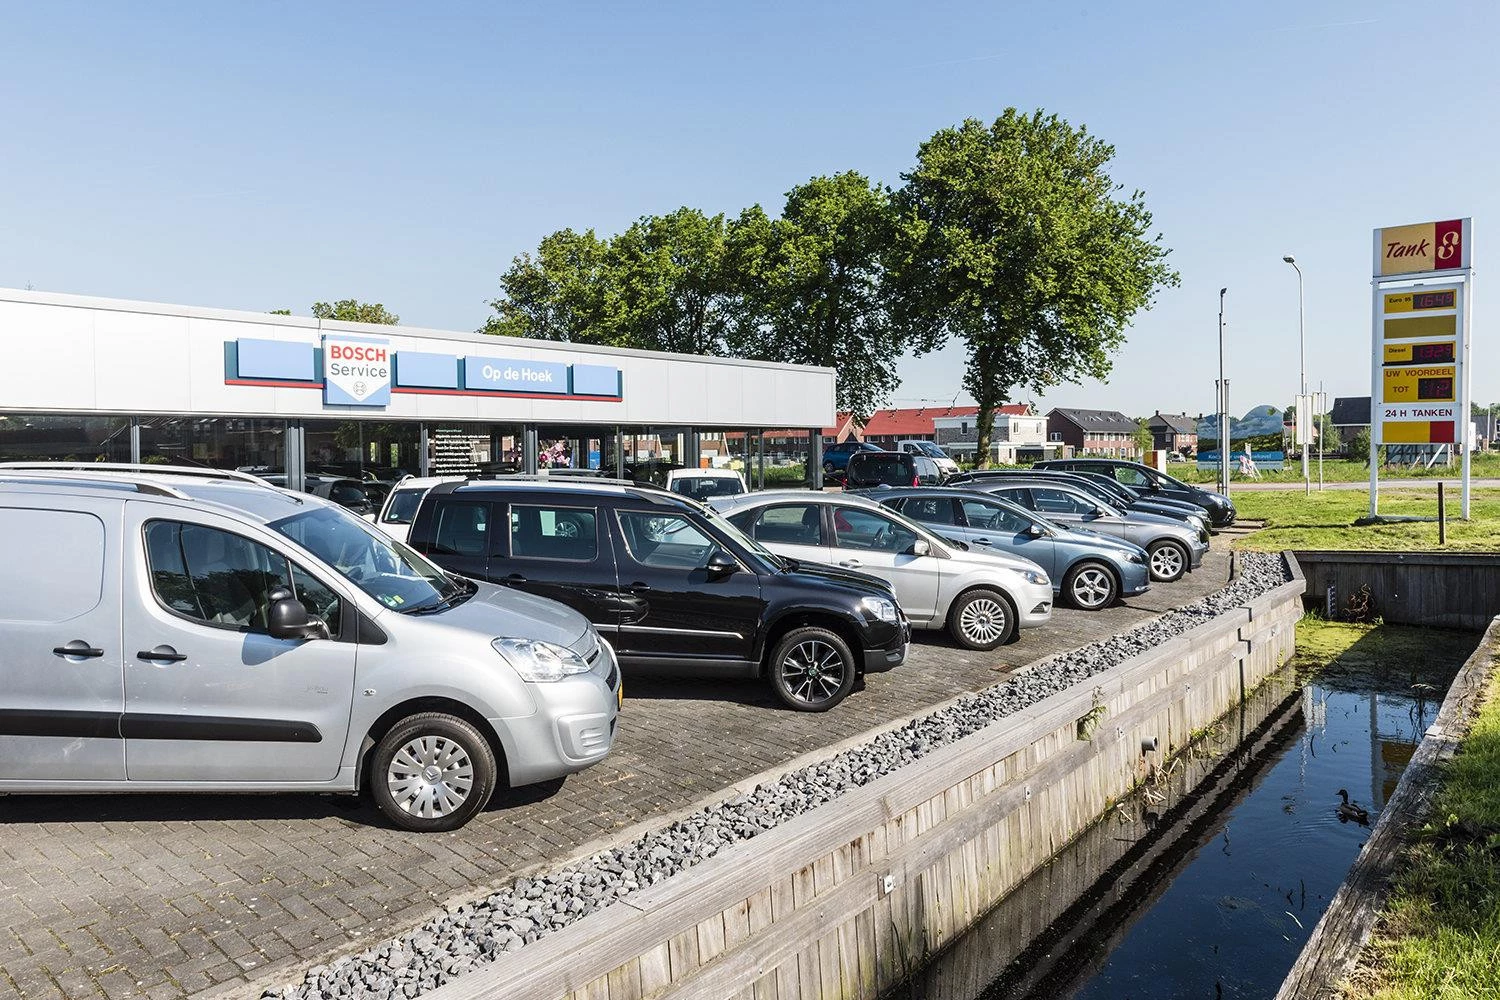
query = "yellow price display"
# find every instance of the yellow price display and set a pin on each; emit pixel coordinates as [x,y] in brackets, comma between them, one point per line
[1416,325]
[1421,301]
[1435,384]
[1441,352]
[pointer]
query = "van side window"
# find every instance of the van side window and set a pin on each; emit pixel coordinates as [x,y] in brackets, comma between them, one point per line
[461,528]
[569,533]
[220,578]
[70,544]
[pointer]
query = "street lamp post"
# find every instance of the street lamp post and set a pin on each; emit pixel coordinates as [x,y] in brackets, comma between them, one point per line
[1223,406]
[1302,368]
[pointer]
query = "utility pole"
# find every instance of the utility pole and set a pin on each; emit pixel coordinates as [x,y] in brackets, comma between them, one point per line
[1302,368]
[1223,406]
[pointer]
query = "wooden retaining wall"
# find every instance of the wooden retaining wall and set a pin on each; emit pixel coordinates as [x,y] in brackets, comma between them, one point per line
[846,900]
[1452,589]
[1335,944]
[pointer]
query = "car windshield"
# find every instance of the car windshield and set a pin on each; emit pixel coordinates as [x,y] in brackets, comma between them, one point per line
[382,567]
[931,450]
[703,487]
[403,508]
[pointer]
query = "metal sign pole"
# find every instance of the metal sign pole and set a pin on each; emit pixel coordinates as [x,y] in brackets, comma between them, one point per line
[1377,319]
[1465,386]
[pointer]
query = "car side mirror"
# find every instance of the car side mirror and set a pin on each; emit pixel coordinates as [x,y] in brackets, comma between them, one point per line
[287,618]
[920,547]
[1036,531]
[722,563]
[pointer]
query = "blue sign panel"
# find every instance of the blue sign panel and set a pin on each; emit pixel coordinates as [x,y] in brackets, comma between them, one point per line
[515,375]
[275,359]
[419,370]
[596,380]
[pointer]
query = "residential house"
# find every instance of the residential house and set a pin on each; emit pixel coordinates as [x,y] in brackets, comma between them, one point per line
[1173,432]
[1103,433]
[1019,434]
[886,427]
[1351,414]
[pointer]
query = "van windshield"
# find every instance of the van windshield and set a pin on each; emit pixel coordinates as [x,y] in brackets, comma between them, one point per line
[382,567]
[403,506]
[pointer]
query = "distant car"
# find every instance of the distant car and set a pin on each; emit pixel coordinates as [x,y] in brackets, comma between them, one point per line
[701,484]
[836,456]
[400,507]
[1152,484]
[1090,570]
[1172,548]
[980,598]
[917,447]
[1111,492]
[869,469]
[647,470]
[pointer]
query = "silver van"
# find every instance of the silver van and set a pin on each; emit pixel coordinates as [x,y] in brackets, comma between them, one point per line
[168,629]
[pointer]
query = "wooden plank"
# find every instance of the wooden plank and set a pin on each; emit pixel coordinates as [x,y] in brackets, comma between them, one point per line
[625,982]
[591,947]
[656,968]
[1335,943]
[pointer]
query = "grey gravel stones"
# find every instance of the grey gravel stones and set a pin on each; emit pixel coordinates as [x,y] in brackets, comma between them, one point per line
[475,933]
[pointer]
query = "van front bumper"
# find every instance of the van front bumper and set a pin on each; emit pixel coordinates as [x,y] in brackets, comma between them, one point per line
[573,726]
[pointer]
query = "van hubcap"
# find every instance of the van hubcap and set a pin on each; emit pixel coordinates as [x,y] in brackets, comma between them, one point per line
[813,671]
[430,776]
[983,620]
[1092,587]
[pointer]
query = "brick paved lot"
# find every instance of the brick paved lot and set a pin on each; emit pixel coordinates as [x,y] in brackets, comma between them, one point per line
[164,896]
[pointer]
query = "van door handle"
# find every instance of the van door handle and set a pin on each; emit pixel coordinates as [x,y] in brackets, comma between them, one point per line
[78,648]
[163,652]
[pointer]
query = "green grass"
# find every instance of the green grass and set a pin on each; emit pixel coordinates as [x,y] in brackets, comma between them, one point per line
[1439,937]
[1326,520]
[1339,470]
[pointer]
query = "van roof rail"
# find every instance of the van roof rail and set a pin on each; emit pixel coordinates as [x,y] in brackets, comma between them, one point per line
[139,468]
[68,477]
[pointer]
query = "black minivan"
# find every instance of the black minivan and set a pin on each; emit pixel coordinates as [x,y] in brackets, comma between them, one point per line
[672,585]
[868,469]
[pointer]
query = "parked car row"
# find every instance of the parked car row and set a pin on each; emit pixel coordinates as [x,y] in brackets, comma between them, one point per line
[478,633]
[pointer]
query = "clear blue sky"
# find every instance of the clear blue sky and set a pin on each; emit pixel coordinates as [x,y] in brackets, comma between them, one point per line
[266,155]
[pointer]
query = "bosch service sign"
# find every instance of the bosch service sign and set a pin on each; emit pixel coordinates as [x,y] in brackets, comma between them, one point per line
[356,371]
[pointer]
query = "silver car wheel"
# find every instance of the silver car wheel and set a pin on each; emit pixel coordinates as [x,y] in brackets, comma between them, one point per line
[1166,562]
[813,671]
[430,776]
[983,620]
[1092,587]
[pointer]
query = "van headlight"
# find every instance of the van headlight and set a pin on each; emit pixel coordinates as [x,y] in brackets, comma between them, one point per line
[1037,577]
[535,660]
[880,608]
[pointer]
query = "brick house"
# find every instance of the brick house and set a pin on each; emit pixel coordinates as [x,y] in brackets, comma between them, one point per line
[1102,433]
[1173,432]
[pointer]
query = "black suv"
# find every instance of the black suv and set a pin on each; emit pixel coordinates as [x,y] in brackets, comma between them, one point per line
[674,586]
[869,469]
[1151,484]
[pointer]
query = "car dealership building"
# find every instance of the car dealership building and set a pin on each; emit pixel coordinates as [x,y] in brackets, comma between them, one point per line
[92,379]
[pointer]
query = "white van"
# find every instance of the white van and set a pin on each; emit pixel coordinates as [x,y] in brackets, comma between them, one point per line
[167,629]
[402,501]
[929,449]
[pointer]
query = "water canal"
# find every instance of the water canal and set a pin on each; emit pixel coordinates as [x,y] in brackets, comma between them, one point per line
[1208,880]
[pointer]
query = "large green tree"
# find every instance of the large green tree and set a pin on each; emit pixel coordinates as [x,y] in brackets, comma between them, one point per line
[1017,241]
[671,286]
[814,289]
[563,292]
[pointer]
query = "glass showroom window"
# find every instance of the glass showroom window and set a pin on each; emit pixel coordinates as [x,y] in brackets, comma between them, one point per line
[251,445]
[29,437]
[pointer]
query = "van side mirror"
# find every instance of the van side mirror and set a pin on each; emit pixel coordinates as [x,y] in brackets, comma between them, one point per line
[287,618]
[722,563]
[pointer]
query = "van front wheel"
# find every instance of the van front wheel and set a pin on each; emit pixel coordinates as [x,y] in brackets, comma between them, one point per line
[432,772]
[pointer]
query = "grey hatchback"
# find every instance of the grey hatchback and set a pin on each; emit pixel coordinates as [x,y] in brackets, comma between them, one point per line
[1092,571]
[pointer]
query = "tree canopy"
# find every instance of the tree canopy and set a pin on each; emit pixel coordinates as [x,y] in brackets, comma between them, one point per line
[1021,245]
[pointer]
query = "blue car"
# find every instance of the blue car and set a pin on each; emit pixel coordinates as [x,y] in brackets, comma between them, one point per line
[836,456]
[1091,571]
